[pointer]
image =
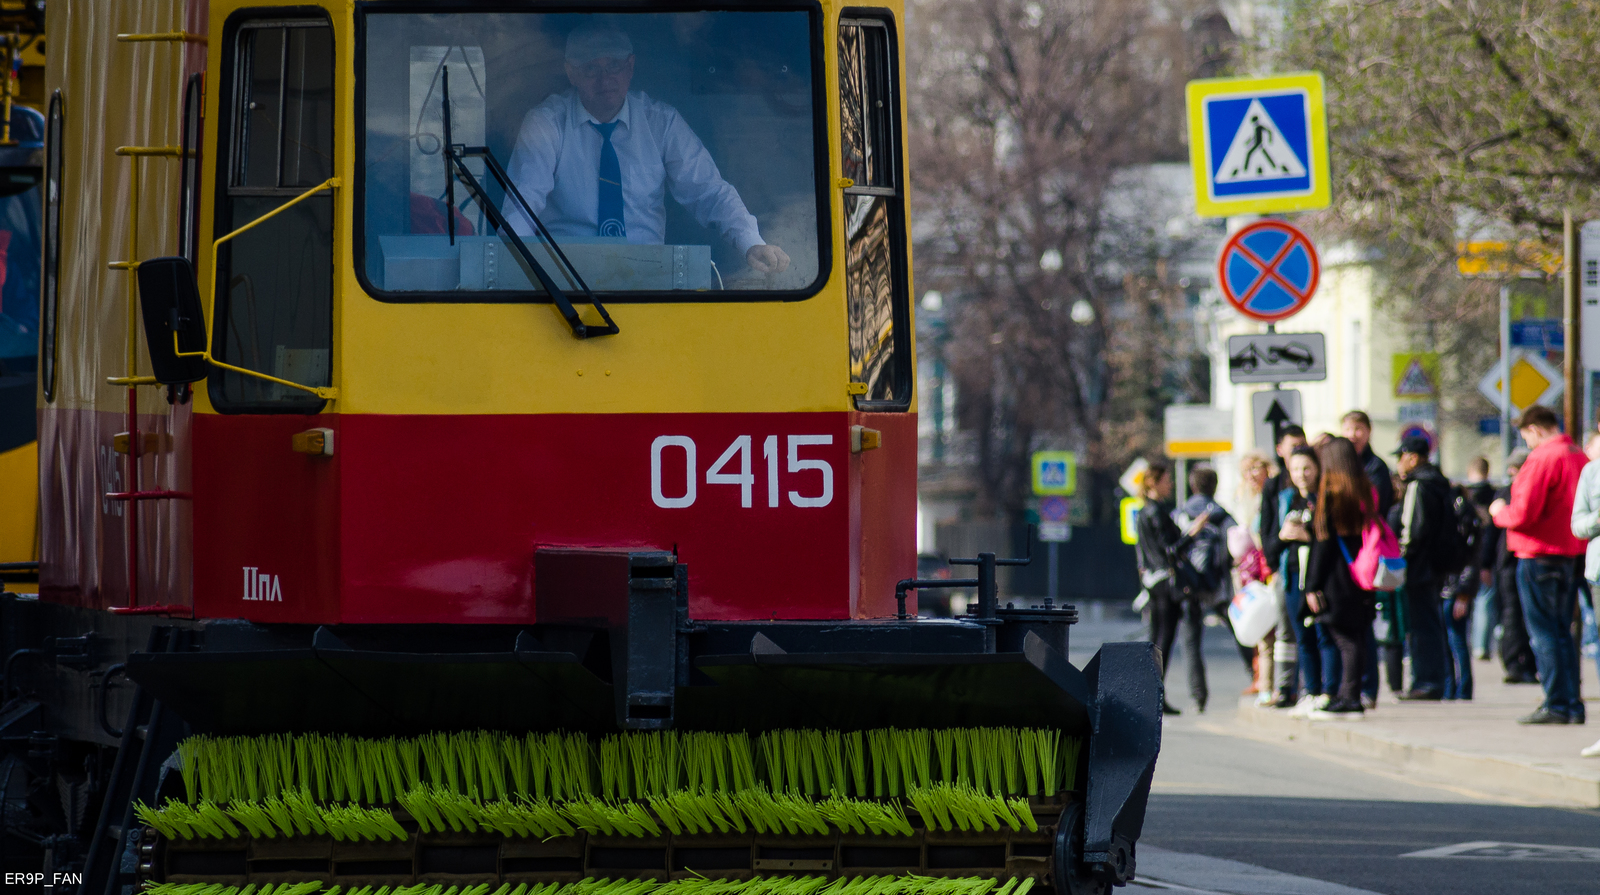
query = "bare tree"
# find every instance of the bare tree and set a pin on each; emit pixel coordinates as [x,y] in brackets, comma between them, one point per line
[1022,114]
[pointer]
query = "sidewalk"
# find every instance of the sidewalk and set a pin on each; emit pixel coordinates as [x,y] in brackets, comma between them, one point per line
[1475,744]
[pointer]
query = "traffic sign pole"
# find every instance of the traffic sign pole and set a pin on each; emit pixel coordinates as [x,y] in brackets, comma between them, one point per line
[1507,438]
[1052,587]
[1572,302]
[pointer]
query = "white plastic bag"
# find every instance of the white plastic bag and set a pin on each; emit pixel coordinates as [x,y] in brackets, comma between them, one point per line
[1254,612]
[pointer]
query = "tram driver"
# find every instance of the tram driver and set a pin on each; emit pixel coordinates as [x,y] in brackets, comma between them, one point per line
[593,160]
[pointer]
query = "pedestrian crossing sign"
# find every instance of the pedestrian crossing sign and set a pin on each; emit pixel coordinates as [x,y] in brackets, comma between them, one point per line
[1258,145]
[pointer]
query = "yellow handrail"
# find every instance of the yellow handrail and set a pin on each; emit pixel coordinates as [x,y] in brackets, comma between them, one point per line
[185,36]
[167,151]
[327,393]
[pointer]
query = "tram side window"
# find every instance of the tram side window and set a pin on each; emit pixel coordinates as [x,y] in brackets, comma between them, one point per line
[194,101]
[51,299]
[874,216]
[275,282]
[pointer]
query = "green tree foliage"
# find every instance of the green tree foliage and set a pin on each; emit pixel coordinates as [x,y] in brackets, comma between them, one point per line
[1449,117]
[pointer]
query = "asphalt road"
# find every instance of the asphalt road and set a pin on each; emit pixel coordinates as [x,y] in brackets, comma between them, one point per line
[1232,814]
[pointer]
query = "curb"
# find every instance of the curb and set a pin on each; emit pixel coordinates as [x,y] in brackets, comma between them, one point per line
[1537,782]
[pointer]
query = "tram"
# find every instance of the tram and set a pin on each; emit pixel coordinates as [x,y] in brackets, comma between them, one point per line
[420,367]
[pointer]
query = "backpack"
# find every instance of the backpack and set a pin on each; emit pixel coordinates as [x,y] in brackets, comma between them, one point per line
[1379,565]
[1207,559]
[1458,542]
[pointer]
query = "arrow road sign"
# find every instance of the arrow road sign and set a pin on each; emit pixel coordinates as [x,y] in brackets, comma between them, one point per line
[1270,412]
[1277,357]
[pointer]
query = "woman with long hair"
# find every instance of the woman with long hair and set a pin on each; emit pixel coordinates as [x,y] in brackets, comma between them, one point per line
[1318,657]
[1346,505]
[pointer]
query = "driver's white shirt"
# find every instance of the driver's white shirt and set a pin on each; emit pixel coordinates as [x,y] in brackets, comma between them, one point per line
[556,167]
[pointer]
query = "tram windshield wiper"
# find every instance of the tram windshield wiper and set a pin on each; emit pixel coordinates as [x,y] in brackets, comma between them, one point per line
[456,169]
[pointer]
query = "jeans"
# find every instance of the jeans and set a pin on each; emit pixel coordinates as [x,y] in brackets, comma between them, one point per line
[1425,638]
[1458,670]
[1485,615]
[1319,659]
[1545,586]
[1166,615]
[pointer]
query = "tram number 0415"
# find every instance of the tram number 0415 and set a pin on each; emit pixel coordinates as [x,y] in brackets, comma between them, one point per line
[735,467]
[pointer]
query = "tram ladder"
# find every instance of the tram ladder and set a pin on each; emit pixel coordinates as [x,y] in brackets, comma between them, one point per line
[131,380]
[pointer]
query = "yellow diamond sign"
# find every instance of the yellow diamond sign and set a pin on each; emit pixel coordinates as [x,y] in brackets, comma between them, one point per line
[1533,381]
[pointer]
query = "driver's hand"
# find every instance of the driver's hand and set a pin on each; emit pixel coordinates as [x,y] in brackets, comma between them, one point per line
[767,259]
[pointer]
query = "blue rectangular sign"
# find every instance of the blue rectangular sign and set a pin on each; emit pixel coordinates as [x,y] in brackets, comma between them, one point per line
[1540,334]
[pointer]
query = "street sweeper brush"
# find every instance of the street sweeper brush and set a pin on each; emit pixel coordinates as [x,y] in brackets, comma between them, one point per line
[788,812]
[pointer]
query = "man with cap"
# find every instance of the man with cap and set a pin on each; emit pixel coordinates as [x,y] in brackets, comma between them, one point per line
[598,159]
[1427,520]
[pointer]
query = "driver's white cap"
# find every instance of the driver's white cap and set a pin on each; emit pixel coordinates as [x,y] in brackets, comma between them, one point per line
[587,43]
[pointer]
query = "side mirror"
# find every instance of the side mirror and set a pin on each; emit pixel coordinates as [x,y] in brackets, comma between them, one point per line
[170,301]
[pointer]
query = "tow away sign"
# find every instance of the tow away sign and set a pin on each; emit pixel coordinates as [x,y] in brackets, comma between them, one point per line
[1258,145]
[1277,357]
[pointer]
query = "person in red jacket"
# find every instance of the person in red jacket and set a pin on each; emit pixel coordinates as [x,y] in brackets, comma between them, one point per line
[1538,524]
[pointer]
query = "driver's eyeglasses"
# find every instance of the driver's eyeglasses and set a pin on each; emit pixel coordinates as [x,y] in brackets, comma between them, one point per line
[602,68]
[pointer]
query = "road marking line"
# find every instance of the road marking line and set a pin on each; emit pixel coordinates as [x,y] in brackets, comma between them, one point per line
[1510,851]
[1204,875]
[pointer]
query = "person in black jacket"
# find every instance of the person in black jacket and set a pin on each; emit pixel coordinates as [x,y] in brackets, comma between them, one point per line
[1427,528]
[1357,427]
[1516,653]
[1344,508]
[1290,438]
[1486,605]
[1159,543]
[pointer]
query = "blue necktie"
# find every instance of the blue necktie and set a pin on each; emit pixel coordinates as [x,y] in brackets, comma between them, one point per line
[610,206]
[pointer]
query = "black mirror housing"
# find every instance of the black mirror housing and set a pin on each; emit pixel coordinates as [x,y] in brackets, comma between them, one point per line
[170,301]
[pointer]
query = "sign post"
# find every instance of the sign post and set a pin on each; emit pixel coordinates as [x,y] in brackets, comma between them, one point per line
[1589,300]
[1055,477]
[1572,317]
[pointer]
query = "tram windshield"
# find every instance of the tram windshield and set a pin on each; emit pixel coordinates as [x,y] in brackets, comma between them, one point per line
[662,152]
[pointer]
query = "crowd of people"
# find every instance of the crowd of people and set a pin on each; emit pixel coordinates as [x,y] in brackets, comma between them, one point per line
[1365,566]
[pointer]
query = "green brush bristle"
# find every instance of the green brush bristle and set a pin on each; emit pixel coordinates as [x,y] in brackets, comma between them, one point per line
[630,784]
